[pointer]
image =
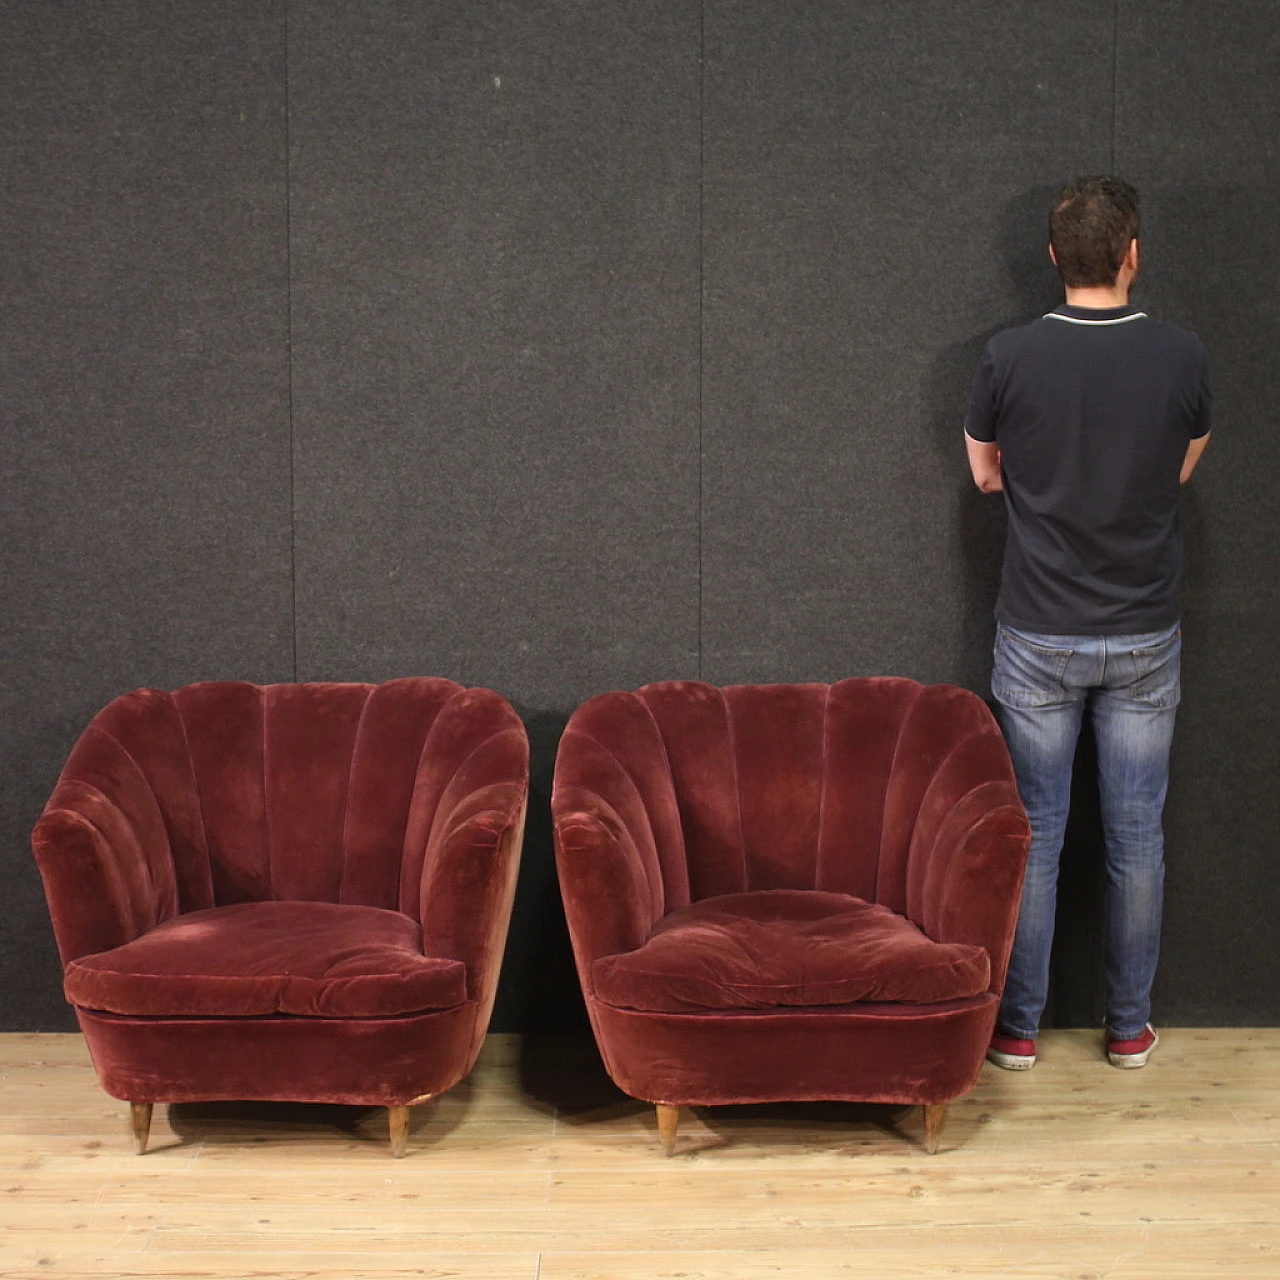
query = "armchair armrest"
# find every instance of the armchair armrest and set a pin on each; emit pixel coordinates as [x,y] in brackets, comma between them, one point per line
[608,900]
[107,878]
[966,873]
[614,814]
[472,859]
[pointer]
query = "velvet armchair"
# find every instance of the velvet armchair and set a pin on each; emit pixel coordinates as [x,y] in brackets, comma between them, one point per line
[286,892]
[789,892]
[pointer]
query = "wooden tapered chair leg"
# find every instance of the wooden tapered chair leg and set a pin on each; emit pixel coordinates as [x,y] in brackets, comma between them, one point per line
[935,1116]
[398,1126]
[668,1123]
[140,1119]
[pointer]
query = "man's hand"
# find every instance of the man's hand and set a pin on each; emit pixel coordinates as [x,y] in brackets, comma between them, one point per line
[1194,450]
[984,462]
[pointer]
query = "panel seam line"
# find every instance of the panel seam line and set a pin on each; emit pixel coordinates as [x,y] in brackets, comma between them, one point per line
[702,99]
[1115,77]
[288,346]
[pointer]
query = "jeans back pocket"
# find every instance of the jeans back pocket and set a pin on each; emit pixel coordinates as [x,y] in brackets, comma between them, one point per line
[1158,671]
[1028,673]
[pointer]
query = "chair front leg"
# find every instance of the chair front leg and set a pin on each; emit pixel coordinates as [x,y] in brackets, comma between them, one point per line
[398,1127]
[668,1123]
[935,1116]
[140,1119]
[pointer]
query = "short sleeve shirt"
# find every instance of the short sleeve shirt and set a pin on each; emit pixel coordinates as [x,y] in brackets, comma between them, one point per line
[1092,411]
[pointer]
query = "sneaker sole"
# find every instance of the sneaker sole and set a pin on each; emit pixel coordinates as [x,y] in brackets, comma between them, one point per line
[1010,1061]
[1132,1061]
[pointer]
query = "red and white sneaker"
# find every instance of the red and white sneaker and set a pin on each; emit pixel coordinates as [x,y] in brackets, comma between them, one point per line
[1011,1053]
[1131,1054]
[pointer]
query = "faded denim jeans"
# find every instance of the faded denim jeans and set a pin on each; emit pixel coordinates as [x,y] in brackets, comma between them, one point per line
[1129,685]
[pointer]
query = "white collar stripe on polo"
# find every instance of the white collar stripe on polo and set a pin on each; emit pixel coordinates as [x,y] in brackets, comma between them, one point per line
[1057,315]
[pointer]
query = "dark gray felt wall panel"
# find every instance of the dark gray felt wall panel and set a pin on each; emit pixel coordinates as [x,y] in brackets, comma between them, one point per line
[144,473]
[495,377]
[495,337]
[874,210]
[876,180]
[1196,126]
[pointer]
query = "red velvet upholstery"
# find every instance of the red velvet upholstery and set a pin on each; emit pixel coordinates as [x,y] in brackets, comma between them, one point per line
[290,892]
[789,892]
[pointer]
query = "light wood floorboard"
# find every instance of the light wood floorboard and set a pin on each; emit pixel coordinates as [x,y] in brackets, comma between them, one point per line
[537,1169]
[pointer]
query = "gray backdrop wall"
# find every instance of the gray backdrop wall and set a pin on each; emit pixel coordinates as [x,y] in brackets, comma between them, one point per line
[562,345]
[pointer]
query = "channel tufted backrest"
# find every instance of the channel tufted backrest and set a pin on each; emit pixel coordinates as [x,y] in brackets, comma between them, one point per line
[321,792]
[807,786]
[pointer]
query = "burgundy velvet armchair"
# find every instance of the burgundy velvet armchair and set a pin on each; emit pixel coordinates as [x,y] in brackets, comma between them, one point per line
[790,892]
[286,892]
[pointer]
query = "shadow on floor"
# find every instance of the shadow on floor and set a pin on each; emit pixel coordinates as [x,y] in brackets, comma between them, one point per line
[240,1123]
[566,1072]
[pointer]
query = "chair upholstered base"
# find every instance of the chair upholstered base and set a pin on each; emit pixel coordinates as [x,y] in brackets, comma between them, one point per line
[386,1062]
[900,1054]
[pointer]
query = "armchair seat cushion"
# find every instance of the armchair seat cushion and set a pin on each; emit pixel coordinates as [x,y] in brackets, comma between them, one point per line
[258,959]
[777,947]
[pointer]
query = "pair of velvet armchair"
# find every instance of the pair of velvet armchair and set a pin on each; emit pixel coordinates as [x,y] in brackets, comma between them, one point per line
[292,892]
[301,892]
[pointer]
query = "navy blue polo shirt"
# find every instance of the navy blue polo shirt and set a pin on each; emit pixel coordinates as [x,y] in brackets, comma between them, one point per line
[1092,411]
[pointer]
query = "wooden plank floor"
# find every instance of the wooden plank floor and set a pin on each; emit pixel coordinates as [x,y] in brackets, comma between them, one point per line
[536,1169]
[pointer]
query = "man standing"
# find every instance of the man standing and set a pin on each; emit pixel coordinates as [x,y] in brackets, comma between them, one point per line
[1088,419]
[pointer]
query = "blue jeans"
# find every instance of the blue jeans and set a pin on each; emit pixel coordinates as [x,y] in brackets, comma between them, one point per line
[1130,687]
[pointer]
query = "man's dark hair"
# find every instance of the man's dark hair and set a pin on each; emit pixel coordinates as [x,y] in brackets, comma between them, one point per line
[1090,226]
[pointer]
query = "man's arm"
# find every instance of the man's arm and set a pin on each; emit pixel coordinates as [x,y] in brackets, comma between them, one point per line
[1194,450]
[984,462]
